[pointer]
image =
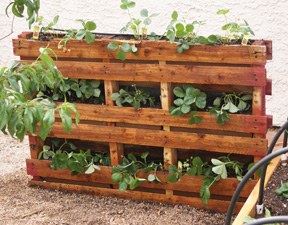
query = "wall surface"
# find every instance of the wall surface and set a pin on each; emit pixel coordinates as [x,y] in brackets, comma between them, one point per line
[268,19]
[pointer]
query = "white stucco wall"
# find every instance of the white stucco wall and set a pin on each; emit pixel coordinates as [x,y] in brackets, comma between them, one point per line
[267,18]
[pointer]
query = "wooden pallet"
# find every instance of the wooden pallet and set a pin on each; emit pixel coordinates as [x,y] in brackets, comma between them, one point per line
[158,65]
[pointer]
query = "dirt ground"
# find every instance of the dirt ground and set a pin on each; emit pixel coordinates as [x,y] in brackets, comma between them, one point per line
[21,204]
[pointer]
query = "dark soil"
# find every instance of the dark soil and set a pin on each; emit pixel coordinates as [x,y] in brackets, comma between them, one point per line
[278,205]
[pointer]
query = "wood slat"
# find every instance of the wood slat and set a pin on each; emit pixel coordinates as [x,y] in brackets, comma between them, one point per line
[244,76]
[207,142]
[158,117]
[248,208]
[42,168]
[213,205]
[148,50]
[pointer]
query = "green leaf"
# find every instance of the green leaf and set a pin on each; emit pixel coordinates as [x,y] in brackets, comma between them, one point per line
[28,119]
[115,170]
[14,84]
[89,38]
[115,96]
[247,219]
[113,46]
[126,47]
[189,27]
[144,13]
[220,170]
[132,157]
[120,54]
[180,27]
[172,169]
[65,115]
[131,4]
[179,92]
[185,108]
[174,15]
[116,176]
[216,162]
[192,171]
[80,34]
[175,111]
[246,97]
[90,169]
[122,185]
[242,105]
[223,11]
[212,39]
[179,102]
[123,6]
[76,166]
[90,25]
[172,178]
[134,184]
[147,21]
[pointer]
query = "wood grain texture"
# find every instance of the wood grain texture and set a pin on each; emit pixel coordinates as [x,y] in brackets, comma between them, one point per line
[249,207]
[213,205]
[182,140]
[42,168]
[159,117]
[148,50]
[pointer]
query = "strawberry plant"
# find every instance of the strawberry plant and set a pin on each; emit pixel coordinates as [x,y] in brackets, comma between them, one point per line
[283,190]
[189,99]
[135,97]
[213,172]
[76,160]
[122,49]
[20,110]
[232,103]
[126,173]
[234,30]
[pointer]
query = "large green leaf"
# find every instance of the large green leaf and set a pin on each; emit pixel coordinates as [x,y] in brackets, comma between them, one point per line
[89,37]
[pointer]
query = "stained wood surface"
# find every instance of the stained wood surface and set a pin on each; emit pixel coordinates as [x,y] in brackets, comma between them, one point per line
[244,76]
[248,208]
[213,205]
[148,50]
[159,117]
[42,168]
[214,143]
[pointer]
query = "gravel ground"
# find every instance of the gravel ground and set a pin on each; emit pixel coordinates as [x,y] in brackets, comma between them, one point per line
[21,204]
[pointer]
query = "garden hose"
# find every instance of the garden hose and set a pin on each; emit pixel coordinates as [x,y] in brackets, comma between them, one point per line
[260,206]
[269,220]
[249,174]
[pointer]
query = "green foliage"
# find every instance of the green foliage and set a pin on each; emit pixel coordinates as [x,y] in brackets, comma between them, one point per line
[76,160]
[134,24]
[76,89]
[187,33]
[212,172]
[248,219]
[122,49]
[135,97]
[234,30]
[125,174]
[283,190]
[20,111]
[189,99]
[85,31]
[232,103]
[47,26]
[18,7]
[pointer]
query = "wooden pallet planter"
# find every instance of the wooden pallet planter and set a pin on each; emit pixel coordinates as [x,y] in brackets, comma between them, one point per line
[158,65]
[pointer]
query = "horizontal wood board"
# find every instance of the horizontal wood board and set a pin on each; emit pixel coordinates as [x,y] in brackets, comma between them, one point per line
[160,117]
[148,50]
[41,168]
[158,138]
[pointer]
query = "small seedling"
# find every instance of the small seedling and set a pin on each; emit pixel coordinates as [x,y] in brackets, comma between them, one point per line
[86,31]
[122,49]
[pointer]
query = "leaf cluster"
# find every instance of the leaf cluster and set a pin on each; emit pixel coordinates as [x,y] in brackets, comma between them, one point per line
[76,160]
[18,7]
[76,89]
[232,103]
[234,30]
[48,26]
[122,49]
[189,99]
[20,111]
[283,190]
[135,24]
[125,174]
[213,172]
[86,31]
[136,97]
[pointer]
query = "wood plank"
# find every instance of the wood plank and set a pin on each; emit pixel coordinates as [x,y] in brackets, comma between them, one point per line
[116,149]
[244,76]
[248,208]
[213,205]
[42,168]
[158,117]
[207,142]
[36,146]
[148,50]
